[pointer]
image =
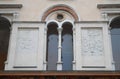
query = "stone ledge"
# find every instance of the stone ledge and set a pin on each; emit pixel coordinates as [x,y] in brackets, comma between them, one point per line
[91,21]
[11,6]
[100,6]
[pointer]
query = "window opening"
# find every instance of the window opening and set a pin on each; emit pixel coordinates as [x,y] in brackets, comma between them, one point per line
[4,40]
[52,46]
[115,39]
[60,16]
[67,46]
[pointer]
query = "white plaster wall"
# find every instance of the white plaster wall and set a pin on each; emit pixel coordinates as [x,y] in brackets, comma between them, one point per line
[111,1]
[33,10]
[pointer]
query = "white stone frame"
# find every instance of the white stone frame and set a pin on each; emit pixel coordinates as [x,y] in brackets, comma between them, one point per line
[9,65]
[13,13]
[105,13]
[13,16]
[108,14]
[108,53]
[59,63]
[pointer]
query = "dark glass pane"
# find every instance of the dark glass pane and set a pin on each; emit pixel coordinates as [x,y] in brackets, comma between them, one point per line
[67,47]
[52,47]
[115,35]
[52,52]
[67,52]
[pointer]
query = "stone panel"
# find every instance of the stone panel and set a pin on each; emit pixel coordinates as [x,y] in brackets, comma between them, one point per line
[27,46]
[92,47]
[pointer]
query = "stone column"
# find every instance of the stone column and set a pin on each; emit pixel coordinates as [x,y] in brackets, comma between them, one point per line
[110,42]
[59,63]
[10,37]
[45,46]
[74,51]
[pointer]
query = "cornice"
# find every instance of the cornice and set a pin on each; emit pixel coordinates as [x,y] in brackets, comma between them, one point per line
[11,6]
[101,6]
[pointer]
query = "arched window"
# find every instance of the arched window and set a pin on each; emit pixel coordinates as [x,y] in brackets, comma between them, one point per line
[115,38]
[4,40]
[52,46]
[67,46]
[59,54]
[64,16]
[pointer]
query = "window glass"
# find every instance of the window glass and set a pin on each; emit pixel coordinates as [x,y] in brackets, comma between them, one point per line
[115,35]
[52,47]
[67,46]
[115,39]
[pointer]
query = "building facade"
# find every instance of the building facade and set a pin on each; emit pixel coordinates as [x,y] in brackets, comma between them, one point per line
[60,35]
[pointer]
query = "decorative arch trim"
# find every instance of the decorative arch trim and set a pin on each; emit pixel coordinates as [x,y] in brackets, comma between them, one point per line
[60,7]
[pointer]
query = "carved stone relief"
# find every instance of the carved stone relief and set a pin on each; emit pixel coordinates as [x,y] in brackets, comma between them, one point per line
[92,41]
[92,47]
[27,44]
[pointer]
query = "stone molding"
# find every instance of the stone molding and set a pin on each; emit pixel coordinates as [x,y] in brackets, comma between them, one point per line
[100,6]
[60,7]
[3,6]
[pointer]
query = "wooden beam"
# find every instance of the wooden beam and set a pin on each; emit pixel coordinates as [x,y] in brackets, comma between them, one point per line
[61,73]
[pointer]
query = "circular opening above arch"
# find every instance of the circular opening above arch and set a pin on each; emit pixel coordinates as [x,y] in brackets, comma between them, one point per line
[60,16]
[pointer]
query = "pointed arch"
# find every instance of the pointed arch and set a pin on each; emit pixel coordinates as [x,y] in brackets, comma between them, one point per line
[60,7]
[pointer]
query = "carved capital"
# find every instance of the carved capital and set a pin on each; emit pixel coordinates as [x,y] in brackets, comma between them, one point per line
[59,30]
[109,28]
[105,16]
[73,30]
[15,15]
[45,30]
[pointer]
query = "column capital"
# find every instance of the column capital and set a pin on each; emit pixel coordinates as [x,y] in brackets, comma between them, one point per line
[45,32]
[109,28]
[15,15]
[45,28]
[73,28]
[59,29]
[105,16]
